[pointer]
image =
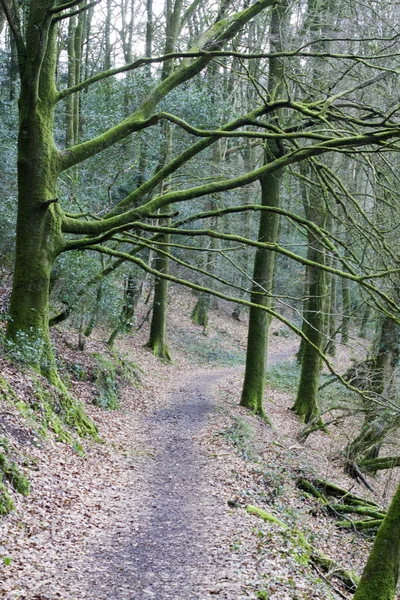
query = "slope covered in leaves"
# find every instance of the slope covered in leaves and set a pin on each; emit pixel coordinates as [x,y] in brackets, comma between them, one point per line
[159,503]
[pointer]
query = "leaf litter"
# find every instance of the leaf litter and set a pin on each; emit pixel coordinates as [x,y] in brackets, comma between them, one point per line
[158,509]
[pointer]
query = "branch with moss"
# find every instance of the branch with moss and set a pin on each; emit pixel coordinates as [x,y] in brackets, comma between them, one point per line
[220,33]
[381,400]
[161,201]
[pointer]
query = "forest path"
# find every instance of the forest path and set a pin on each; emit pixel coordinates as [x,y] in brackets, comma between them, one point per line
[160,527]
[170,542]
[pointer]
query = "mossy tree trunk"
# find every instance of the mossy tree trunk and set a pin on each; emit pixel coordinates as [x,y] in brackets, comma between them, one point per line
[314,200]
[41,224]
[158,326]
[259,320]
[346,307]
[365,318]
[199,314]
[38,236]
[264,261]
[306,404]
[132,294]
[331,318]
[381,573]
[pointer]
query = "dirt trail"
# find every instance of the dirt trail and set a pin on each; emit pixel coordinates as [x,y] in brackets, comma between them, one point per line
[169,544]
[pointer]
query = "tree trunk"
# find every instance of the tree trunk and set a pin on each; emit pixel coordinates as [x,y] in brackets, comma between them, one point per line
[380,576]
[38,234]
[346,307]
[306,405]
[259,320]
[378,420]
[199,314]
[158,328]
[264,262]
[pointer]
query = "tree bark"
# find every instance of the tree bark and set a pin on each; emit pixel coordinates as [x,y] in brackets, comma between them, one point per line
[264,262]
[381,573]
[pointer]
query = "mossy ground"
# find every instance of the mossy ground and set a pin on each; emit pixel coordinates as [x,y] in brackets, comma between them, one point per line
[11,477]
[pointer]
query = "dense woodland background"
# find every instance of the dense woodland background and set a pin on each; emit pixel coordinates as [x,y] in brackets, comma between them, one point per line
[246,151]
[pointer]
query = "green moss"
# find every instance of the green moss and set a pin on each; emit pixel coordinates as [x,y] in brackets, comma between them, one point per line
[264,515]
[19,482]
[110,370]
[199,314]
[53,409]
[10,472]
[6,391]
[127,370]
[6,504]
[4,444]
[105,379]
[58,408]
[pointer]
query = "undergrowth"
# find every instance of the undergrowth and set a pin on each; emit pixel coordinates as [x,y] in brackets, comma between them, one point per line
[241,435]
[48,408]
[206,350]
[110,372]
[284,376]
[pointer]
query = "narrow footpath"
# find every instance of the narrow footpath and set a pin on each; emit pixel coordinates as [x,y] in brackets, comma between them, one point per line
[171,541]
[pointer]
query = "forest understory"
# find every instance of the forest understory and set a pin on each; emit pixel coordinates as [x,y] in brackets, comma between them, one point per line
[157,508]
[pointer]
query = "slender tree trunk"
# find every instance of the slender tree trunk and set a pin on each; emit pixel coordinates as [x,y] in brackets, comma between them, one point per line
[158,327]
[259,320]
[264,262]
[365,317]
[346,308]
[70,129]
[331,317]
[306,405]
[13,68]
[133,293]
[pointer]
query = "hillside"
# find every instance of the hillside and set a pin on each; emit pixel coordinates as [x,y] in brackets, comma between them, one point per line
[157,508]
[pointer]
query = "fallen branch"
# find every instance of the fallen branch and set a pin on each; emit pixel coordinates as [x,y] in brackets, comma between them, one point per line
[348,578]
[353,470]
[357,510]
[334,490]
[316,557]
[380,463]
[360,525]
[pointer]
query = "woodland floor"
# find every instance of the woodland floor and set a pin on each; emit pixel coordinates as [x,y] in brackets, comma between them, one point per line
[145,514]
